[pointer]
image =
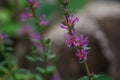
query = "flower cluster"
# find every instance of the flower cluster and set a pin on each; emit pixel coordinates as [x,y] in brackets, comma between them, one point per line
[80,42]
[32,34]
[30,12]
[25,16]
[70,23]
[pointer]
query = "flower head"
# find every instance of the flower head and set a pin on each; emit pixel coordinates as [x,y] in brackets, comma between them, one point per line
[82,54]
[72,20]
[83,41]
[35,37]
[25,16]
[37,4]
[71,40]
[31,2]
[26,29]
[43,22]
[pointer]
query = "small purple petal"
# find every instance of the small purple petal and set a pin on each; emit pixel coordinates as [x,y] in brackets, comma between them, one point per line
[64,27]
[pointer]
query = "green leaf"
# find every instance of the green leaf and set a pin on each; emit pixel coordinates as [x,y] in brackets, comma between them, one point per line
[38,77]
[86,48]
[47,41]
[41,70]
[81,61]
[84,78]
[40,59]
[9,48]
[51,56]
[23,76]
[97,77]
[22,71]
[50,69]
[3,70]
[101,77]
[31,58]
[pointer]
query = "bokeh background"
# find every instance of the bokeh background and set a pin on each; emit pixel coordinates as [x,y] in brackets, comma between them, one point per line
[99,19]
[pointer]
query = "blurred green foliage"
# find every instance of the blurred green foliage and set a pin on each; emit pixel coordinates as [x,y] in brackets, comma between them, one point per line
[11,25]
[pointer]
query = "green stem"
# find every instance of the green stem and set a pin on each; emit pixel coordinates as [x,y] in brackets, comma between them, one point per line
[45,66]
[36,19]
[42,41]
[86,67]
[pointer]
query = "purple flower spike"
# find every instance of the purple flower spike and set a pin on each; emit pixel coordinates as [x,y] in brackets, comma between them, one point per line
[72,20]
[71,40]
[31,2]
[82,55]
[44,22]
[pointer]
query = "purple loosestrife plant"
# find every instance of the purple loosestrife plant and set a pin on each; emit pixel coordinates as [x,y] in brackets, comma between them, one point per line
[41,50]
[72,40]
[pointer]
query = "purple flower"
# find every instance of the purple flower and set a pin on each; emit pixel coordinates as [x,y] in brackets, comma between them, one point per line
[26,29]
[71,40]
[82,54]
[72,20]
[25,16]
[64,27]
[83,41]
[43,22]
[35,37]
[3,36]
[37,4]
[31,2]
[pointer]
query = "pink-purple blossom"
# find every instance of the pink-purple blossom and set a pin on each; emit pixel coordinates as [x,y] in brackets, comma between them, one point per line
[26,29]
[64,27]
[71,40]
[43,20]
[82,54]
[83,41]
[31,2]
[37,4]
[72,20]
[3,36]
[25,16]
[35,37]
